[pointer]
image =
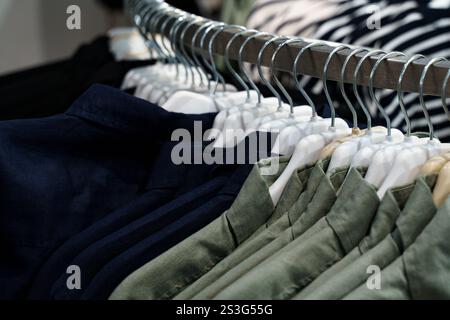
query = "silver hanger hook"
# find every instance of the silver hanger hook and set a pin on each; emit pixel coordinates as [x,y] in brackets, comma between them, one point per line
[275,78]
[355,86]
[174,58]
[221,27]
[154,23]
[325,82]
[372,90]
[241,61]
[342,88]
[174,45]
[148,24]
[194,54]
[261,73]
[444,95]
[227,58]
[150,29]
[141,20]
[192,20]
[422,95]
[400,90]
[299,86]
[164,26]
[139,13]
[211,65]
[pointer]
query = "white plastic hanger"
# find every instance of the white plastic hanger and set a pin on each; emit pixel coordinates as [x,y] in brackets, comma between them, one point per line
[408,162]
[237,121]
[297,130]
[160,76]
[163,89]
[343,155]
[191,102]
[308,150]
[234,103]
[228,97]
[285,114]
[154,86]
[383,157]
[141,76]
[193,74]
[283,117]
[234,125]
[364,157]
[180,87]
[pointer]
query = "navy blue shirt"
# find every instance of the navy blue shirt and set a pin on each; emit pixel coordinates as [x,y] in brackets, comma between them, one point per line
[63,173]
[166,182]
[107,262]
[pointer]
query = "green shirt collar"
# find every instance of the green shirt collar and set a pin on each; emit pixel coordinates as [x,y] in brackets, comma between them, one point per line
[418,211]
[311,178]
[253,206]
[387,214]
[291,193]
[354,209]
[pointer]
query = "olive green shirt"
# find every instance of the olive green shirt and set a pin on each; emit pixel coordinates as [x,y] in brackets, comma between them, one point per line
[284,274]
[208,285]
[417,212]
[423,271]
[167,275]
[275,239]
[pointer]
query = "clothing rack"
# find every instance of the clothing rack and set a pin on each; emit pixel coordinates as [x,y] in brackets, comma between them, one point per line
[312,63]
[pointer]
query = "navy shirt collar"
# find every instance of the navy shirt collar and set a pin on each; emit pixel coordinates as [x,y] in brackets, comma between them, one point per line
[113,108]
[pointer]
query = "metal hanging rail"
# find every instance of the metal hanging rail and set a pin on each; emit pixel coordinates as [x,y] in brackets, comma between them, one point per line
[312,64]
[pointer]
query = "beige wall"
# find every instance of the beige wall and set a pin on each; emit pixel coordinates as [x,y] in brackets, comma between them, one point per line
[34,31]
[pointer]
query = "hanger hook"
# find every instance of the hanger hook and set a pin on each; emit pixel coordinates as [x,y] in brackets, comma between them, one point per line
[261,73]
[241,61]
[141,20]
[154,19]
[355,85]
[176,48]
[325,82]
[344,94]
[193,20]
[211,65]
[176,60]
[141,25]
[194,54]
[166,19]
[422,95]
[295,71]
[166,50]
[372,90]
[400,94]
[275,78]
[222,27]
[227,58]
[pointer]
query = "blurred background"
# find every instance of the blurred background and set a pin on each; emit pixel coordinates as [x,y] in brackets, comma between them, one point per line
[33,32]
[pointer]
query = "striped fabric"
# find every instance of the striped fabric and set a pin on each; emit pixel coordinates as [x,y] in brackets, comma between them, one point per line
[414,26]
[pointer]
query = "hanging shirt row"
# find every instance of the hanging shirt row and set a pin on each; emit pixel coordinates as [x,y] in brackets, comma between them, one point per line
[149,176]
